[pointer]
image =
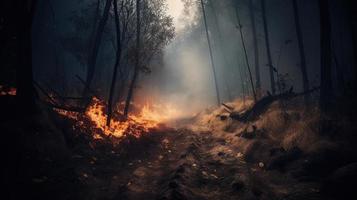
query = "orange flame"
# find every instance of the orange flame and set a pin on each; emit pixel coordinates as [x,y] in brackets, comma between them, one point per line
[150,116]
[7,91]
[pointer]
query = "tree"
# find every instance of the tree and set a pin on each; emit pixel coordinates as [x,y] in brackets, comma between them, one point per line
[256,49]
[305,79]
[352,12]
[137,60]
[92,59]
[221,43]
[210,52]
[117,62]
[154,30]
[326,56]
[267,43]
[245,53]
[23,18]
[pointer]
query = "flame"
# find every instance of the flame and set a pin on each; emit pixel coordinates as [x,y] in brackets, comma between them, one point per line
[7,91]
[149,117]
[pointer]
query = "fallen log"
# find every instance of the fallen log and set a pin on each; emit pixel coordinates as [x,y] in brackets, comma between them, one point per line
[262,105]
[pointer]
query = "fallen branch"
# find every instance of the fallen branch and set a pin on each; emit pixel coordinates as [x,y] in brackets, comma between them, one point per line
[50,98]
[228,107]
[66,108]
[262,105]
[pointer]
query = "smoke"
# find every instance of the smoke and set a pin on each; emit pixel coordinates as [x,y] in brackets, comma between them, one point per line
[185,79]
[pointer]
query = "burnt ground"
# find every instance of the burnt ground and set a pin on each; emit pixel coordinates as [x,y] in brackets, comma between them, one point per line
[168,164]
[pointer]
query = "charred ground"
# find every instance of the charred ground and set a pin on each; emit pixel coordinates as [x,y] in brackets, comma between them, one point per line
[279,155]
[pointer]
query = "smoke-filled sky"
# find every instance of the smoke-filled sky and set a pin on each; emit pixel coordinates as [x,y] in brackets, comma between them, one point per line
[184,77]
[175,9]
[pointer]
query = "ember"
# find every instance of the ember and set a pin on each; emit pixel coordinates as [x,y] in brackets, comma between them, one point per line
[7,91]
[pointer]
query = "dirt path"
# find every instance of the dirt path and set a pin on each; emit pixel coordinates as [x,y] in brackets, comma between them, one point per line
[181,164]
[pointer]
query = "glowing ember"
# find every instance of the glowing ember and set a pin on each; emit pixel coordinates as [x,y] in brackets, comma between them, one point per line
[136,124]
[7,91]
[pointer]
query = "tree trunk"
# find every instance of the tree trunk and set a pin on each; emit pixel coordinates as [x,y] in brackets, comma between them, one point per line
[117,63]
[256,49]
[92,60]
[137,61]
[352,10]
[326,56]
[219,35]
[245,53]
[24,75]
[267,42]
[339,71]
[211,55]
[305,79]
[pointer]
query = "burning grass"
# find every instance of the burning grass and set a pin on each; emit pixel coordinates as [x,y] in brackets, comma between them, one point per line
[94,120]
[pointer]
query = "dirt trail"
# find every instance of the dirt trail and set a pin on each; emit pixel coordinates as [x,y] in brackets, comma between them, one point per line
[182,164]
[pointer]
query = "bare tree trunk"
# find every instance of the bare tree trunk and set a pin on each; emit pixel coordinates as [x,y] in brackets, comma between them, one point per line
[137,61]
[352,8]
[117,63]
[24,75]
[245,53]
[256,49]
[326,55]
[230,98]
[267,42]
[242,84]
[59,70]
[211,55]
[92,60]
[305,79]
[339,70]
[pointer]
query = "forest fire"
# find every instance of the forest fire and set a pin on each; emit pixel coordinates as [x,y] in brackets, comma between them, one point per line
[7,91]
[95,120]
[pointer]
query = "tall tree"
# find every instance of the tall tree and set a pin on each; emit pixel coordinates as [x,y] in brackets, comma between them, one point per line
[267,43]
[326,56]
[256,49]
[23,17]
[210,51]
[245,52]
[352,11]
[92,59]
[117,62]
[305,79]
[137,60]
[221,43]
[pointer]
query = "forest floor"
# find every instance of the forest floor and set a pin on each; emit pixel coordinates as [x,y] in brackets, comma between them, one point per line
[209,156]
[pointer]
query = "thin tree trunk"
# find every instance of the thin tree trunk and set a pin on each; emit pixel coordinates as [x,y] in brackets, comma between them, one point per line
[267,43]
[242,85]
[245,53]
[92,60]
[326,55]
[24,75]
[305,79]
[256,49]
[230,98]
[352,8]
[137,61]
[117,63]
[339,70]
[211,55]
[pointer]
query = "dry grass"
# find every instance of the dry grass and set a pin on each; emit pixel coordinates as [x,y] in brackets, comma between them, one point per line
[296,129]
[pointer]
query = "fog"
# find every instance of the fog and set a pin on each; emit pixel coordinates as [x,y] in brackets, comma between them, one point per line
[183,76]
